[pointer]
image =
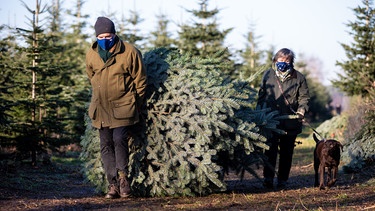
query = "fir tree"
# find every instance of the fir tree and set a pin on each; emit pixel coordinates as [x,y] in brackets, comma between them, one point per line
[269,56]
[203,38]
[161,37]
[30,107]
[41,103]
[359,142]
[359,74]
[252,57]
[359,79]
[75,83]
[319,99]
[7,75]
[129,30]
[195,122]
[90,154]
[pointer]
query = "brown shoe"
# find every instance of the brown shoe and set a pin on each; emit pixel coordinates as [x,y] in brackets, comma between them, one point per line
[112,192]
[124,187]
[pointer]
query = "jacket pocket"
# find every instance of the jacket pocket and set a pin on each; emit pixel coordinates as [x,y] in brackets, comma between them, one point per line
[124,108]
[92,111]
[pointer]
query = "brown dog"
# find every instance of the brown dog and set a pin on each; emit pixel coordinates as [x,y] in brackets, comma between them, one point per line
[326,154]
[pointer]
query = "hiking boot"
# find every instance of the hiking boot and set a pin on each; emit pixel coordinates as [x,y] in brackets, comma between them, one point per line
[112,192]
[124,187]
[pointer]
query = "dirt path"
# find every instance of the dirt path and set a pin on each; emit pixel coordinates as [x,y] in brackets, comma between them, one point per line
[59,187]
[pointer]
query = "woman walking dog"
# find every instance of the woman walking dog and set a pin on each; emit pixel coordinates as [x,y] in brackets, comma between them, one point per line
[283,89]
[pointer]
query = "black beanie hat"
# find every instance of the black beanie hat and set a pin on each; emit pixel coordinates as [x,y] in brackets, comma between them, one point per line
[104,25]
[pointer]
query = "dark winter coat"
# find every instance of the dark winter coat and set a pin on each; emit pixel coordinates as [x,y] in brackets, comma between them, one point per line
[118,85]
[295,90]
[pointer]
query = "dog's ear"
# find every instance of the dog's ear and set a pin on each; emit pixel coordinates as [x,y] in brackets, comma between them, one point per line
[315,138]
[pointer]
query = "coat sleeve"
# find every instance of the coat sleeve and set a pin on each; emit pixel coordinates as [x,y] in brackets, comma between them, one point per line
[89,69]
[140,77]
[304,97]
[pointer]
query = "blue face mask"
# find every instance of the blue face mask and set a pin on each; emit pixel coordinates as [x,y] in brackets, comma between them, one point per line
[106,44]
[282,66]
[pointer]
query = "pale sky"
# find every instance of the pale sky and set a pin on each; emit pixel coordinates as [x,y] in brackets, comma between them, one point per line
[314,28]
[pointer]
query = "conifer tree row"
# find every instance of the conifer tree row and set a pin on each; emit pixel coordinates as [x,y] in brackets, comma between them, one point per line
[44,82]
[36,101]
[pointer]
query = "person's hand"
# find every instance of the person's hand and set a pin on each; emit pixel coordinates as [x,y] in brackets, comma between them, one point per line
[300,117]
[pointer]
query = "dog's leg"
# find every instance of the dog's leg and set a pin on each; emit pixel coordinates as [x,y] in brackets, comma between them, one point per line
[316,169]
[321,176]
[332,180]
[329,176]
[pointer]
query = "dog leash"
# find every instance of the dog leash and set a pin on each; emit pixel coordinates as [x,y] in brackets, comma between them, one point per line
[294,112]
[308,124]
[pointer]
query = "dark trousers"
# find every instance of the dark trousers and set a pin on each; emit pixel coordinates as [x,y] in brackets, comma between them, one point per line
[284,145]
[114,151]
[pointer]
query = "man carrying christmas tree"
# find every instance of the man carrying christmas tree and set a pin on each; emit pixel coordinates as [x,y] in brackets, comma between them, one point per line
[118,79]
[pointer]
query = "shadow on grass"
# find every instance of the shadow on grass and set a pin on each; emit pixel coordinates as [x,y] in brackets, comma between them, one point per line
[256,186]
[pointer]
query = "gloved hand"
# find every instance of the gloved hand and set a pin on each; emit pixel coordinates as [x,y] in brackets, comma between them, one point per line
[300,117]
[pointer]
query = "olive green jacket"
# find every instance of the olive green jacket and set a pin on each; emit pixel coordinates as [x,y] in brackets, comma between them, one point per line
[295,90]
[118,85]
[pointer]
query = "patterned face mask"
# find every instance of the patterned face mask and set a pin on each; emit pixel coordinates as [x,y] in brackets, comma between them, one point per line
[282,66]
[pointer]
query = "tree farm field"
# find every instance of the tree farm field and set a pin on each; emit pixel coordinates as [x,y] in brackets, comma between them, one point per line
[61,186]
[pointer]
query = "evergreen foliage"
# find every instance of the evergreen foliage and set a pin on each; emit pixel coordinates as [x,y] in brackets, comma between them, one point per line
[359,74]
[44,87]
[252,57]
[359,145]
[197,115]
[161,37]
[36,117]
[90,154]
[196,122]
[319,96]
[334,128]
[203,38]
[71,60]
[129,30]
[269,55]
[359,151]
[319,101]
[359,79]
[7,75]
